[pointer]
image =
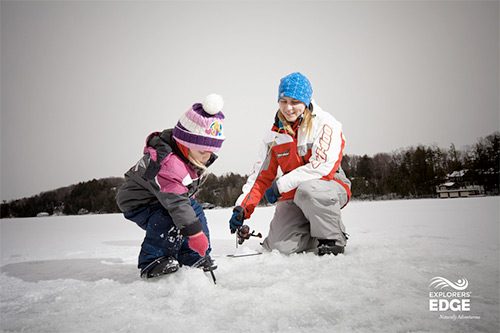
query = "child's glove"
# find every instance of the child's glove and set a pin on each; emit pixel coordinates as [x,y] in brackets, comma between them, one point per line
[272,194]
[199,243]
[237,219]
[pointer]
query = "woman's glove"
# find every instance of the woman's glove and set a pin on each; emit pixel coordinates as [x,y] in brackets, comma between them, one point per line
[237,219]
[199,243]
[272,194]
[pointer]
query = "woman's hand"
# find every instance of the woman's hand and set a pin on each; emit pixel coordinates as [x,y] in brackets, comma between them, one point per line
[272,194]
[237,218]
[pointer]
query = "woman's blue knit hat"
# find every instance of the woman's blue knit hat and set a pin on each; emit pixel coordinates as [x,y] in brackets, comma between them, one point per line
[296,86]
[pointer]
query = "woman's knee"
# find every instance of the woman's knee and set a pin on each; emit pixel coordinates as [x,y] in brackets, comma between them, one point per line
[304,192]
[318,190]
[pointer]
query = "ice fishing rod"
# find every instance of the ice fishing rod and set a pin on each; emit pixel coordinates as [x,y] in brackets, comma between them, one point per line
[212,273]
[207,268]
[244,234]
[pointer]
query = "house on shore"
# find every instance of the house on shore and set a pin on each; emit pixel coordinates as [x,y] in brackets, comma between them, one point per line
[456,187]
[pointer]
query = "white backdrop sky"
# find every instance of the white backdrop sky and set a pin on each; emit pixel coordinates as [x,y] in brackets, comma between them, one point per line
[83,83]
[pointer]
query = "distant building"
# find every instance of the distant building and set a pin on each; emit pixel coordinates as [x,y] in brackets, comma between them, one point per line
[207,205]
[82,211]
[456,187]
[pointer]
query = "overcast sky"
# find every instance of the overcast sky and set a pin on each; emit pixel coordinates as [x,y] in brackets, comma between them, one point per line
[83,83]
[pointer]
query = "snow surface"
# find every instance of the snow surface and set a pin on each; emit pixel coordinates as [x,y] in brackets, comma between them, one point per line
[78,274]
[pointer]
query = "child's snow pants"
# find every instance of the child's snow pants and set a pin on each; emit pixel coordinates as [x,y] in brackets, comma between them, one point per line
[163,238]
[313,214]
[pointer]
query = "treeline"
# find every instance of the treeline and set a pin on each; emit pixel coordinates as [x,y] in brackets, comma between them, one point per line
[221,191]
[95,196]
[416,171]
[412,172]
[98,197]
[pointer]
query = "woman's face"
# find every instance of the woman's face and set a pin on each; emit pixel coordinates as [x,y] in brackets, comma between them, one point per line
[201,156]
[291,108]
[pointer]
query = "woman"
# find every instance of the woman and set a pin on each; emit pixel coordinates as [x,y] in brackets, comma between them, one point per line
[306,144]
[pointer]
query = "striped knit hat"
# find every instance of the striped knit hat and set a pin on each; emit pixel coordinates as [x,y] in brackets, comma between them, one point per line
[200,128]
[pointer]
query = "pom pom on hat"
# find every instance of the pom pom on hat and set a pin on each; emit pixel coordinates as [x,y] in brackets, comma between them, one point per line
[213,104]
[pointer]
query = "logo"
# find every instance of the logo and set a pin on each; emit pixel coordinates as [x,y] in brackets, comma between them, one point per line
[283,154]
[215,129]
[441,283]
[450,298]
[323,147]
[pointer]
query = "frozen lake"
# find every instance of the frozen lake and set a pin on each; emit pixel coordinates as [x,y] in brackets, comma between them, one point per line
[78,274]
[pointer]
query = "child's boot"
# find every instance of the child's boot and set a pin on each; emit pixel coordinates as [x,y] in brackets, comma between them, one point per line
[160,266]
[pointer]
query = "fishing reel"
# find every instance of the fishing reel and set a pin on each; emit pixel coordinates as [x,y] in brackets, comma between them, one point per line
[243,234]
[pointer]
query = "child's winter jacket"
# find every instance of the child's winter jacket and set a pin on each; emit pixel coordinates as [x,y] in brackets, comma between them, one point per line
[166,176]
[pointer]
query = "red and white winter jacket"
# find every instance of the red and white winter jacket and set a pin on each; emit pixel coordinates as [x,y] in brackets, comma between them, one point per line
[299,159]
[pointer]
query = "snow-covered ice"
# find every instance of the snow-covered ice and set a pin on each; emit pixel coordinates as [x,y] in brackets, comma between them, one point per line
[78,274]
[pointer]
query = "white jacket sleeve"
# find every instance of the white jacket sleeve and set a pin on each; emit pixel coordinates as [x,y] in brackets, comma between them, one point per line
[260,165]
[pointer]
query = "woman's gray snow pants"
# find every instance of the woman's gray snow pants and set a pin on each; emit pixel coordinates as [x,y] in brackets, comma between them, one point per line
[313,214]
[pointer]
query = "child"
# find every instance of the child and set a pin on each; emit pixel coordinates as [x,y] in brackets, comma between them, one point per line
[306,144]
[158,193]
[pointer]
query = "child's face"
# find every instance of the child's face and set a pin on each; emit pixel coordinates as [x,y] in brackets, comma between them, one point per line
[201,156]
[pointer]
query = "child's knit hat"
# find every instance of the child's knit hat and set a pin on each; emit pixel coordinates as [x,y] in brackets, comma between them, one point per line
[296,86]
[200,127]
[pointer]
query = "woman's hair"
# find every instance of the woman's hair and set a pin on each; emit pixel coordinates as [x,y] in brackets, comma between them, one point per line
[306,122]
